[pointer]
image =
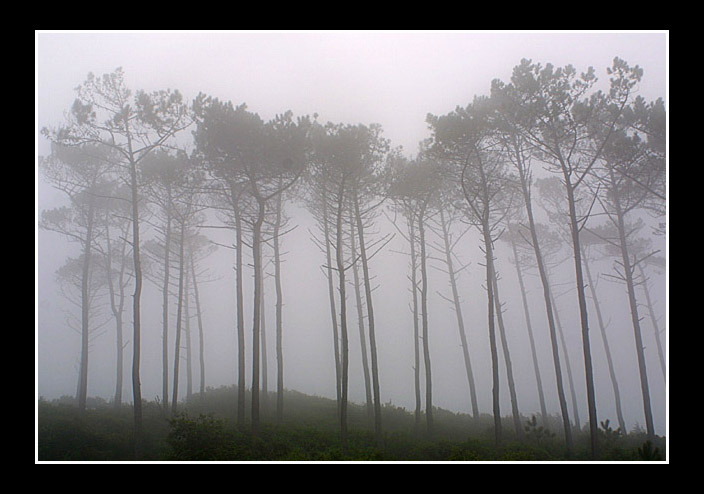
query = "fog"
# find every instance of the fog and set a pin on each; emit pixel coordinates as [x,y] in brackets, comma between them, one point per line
[394,79]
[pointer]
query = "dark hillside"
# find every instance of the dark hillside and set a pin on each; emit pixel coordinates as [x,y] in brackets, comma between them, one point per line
[205,430]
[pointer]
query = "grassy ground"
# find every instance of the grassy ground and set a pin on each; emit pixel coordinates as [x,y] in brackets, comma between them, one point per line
[205,430]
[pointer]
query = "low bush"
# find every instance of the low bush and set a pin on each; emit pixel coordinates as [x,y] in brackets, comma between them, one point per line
[201,432]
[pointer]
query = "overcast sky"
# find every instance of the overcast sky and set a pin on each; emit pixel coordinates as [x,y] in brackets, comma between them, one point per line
[394,78]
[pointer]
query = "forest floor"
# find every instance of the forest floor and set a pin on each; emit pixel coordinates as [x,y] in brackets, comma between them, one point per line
[204,429]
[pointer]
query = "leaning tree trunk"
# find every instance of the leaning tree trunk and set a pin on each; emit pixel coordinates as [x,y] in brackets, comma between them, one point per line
[458,313]
[117,309]
[165,307]
[424,323]
[507,360]
[489,252]
[279,321]
[239,244]
[568,365]
[187,326]
[531,339]
[370,322]
[333,310]
[265,360]
[607,348]
[654,322]
[201,337]
[542,271]
[416,336]
[256,351]
[343,322]
[120,361]
[584,318]
[85,307]
[484,217]
[635,318]
[179,318]
[136,313]
[360,323]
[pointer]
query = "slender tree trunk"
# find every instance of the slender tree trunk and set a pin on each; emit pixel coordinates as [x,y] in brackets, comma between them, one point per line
[607,349]
[531,339]
[584,319]
[333,310]
[360,323]
[568,365]
[542,271]
[370,322]
[117,309]
[424,324]
[635,318]
[256,351]
[654,322]
[343,321]
[416,335]
[187,325]
[201,337]
[241,355]
[507,360]
[165,307]
[458,313]
[279,320]
[179,318]
[85,308]
[490,275]
[136,314]
[265,360]
[489,252]
[117,402]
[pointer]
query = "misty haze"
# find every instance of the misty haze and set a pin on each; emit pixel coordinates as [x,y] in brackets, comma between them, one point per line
[351,246]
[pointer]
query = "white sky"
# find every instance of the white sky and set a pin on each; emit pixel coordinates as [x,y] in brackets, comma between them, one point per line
[389,77]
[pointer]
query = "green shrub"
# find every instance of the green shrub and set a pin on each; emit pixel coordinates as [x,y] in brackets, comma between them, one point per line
[201,439]
[648,452]
[206,431]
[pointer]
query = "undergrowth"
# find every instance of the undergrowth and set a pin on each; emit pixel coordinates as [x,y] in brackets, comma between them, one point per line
[205,429]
